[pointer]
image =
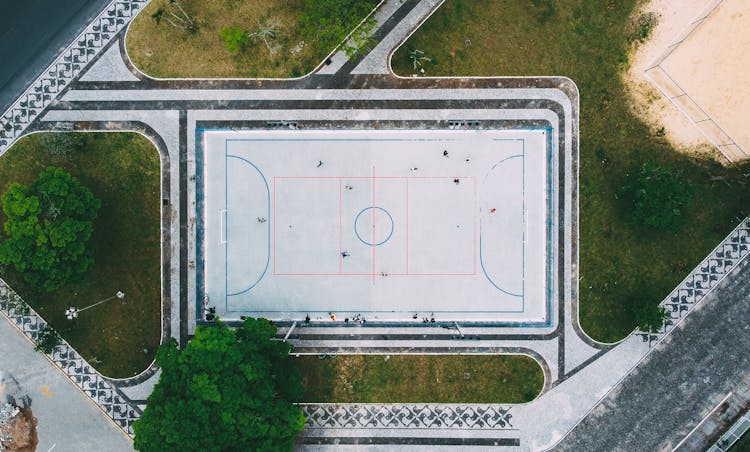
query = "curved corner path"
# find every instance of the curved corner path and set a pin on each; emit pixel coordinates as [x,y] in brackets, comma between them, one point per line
[68,420]
[678,384]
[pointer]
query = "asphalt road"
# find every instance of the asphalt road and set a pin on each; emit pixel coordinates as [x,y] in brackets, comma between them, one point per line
[32,34]
[676,386]
[68,420]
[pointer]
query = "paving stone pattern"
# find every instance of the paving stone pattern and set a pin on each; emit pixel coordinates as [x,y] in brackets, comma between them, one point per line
[492,417]
[65,68]
[703,279]
[111,401]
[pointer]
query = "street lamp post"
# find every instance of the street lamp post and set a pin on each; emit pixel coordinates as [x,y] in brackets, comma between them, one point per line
[72,312]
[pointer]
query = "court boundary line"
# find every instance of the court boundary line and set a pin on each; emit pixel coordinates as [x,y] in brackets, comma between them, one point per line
[549,315]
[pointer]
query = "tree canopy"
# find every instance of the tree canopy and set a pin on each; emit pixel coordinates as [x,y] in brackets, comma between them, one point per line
[657,196]
[47,228]
[227,390]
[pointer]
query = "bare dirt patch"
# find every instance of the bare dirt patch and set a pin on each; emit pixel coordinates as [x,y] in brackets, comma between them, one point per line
[21,431]
[646,101]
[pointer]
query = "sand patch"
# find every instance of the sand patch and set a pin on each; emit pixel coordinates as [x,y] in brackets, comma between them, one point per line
[702,75]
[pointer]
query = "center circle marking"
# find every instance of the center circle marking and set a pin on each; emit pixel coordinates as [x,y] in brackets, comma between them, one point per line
[362,220]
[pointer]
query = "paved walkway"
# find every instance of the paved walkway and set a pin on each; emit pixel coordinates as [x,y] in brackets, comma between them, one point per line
[68,419]
[681,382]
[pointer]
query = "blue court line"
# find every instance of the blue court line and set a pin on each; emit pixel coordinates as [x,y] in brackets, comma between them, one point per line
[357,219]
[268,216]
[551,152]
[523,246]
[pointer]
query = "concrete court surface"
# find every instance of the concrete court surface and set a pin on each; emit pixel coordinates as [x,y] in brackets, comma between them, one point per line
[378,223]
[68,420]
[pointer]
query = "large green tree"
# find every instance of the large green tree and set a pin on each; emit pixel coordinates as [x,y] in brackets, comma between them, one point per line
[227,390]
[48,225]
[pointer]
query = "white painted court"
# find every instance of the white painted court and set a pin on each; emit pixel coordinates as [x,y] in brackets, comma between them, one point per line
[379,223]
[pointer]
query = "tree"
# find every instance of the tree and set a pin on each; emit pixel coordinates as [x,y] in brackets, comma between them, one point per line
[227,390]
[657,196]
[327,22]
[48,226]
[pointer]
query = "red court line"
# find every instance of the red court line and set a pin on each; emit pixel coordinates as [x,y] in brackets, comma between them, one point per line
[274,224]
[341,227]
[372,177]
[341,259]
[370,274]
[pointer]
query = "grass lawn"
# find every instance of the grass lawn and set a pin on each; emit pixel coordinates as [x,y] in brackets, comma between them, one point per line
[161,50]
[743,445]
[122,170]
[420,379]
[621,266]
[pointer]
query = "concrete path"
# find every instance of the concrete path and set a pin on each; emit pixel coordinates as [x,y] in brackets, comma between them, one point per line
[377,61]
[68,419]
[681,382]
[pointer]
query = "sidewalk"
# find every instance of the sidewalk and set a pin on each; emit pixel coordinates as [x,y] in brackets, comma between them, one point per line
[68,420]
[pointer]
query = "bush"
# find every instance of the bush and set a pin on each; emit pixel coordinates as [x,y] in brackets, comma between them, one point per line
[650,317]
[48,226]
[234,37]
[656,197]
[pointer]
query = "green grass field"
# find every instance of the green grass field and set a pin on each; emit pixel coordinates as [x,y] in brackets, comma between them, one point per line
[621,266]
[160,50]
[420,379]
[122,170]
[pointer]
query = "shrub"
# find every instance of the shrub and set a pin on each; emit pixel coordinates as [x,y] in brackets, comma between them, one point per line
[234,38]
[650,317]
[47,340]
[645,24]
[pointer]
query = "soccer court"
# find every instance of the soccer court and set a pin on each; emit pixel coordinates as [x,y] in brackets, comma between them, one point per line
[386,225]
